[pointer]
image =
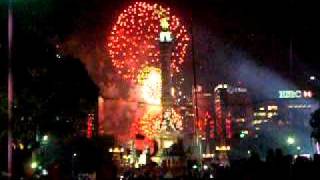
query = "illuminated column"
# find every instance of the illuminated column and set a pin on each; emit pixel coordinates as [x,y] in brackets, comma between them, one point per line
[228,126]
[101,115]
[219,118]
[90,126]
[165,59]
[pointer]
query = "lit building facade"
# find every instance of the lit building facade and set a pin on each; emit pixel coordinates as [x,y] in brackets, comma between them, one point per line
[232,116]
[286,115]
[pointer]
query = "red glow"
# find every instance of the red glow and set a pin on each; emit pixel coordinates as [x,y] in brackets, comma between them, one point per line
[90,125]
[202,123]
[134,40]
[101,114]
[218,115]
[211,127]
[228,126]
[151,123]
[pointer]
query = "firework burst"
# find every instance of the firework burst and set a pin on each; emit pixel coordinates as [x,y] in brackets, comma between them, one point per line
[149,80]
[134,40]
[152,124]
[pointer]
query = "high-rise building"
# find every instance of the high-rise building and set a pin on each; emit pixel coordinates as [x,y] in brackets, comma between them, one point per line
[223,117]
[233,113]
[205,122]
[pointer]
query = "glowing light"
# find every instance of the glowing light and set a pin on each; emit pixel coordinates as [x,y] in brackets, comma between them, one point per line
[312,78]
[167,143]
[133,42]
[45,138]
[218,110]
[172,91]
[291,94]
[164,23]
[34,165]
[223,148]
[90,125]
[44,172]
[21,146]
[150,81]
[229,126]
[211,127]
[291,140]
[166,37]
[272,108]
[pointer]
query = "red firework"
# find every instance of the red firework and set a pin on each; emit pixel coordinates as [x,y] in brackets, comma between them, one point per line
[134,40]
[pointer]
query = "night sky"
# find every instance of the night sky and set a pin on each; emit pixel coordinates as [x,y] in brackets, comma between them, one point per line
[222,29]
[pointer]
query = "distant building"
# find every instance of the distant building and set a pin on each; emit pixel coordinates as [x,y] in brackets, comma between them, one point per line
[288,108]
[287,114]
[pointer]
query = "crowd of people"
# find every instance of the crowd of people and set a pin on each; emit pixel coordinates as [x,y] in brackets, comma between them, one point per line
[275,166]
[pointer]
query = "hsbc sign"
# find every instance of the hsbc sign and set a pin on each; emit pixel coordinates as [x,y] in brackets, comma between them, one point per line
[294,94]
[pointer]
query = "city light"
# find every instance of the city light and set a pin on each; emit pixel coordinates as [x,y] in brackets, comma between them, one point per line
[21,146]
[291,140]
[312,78]
[116,150]
[45,138]
[208,155]
[242,135]
[44,172]
[295,94]
[34,165]
[223,148]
